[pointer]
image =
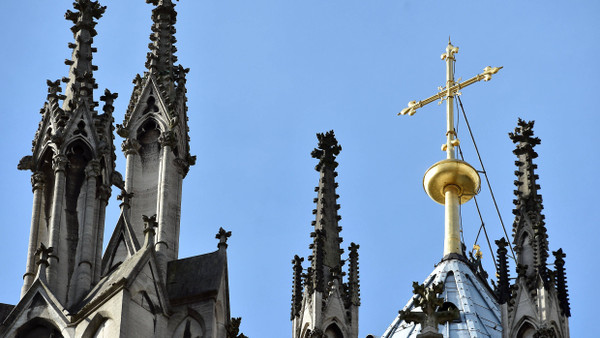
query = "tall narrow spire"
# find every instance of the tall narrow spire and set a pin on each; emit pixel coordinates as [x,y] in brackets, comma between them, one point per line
[324,294]
[529,229]
[161,57]
[81,82]
[538,294]
[326,244]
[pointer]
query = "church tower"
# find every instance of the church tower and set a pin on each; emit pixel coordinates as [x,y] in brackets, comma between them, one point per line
[156,137]
[139,287]
[73,167]
[537,304]
[323,305]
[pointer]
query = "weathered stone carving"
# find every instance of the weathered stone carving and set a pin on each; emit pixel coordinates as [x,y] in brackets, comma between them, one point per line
[26,163]
[150,224]
[59,162]
[131,146]
[168,139]
[222,236]
[93,168]
[233,328]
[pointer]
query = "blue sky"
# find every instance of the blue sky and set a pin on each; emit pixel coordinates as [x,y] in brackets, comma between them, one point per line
[267,75]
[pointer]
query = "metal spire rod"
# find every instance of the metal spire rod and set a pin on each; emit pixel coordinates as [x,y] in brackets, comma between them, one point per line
[451,182]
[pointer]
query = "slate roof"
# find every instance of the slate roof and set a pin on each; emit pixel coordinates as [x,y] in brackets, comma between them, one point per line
[194,278]
[479,312]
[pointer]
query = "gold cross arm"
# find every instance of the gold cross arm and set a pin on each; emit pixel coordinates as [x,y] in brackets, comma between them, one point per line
[451,91]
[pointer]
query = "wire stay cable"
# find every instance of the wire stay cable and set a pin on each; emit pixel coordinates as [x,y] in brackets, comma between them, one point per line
[486,179]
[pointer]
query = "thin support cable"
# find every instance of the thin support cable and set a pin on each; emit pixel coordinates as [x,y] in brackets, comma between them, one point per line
[462,157]
[486,176]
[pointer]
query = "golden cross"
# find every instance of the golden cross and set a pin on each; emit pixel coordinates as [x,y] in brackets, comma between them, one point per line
[447,93]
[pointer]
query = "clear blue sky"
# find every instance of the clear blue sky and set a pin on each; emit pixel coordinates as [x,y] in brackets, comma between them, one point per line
[267,75]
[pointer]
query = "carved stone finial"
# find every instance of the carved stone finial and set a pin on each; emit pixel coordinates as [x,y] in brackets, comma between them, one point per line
[327,150]
[233,328]
[149,224]
[222,236]
[108,98]
[429,317]
[125,197]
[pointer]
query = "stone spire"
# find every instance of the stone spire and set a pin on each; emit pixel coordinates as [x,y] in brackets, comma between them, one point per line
[529,229]
[161,57]
[324,294]
[81,82]
[326,237]
[536,304]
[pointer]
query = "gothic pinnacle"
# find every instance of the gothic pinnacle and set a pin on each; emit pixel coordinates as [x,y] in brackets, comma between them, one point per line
[528,205]
[161,57]
[326,245]
[80,82]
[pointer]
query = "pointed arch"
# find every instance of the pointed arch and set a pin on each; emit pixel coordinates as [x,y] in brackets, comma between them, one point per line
[333,331]
[525,328]
[192,325]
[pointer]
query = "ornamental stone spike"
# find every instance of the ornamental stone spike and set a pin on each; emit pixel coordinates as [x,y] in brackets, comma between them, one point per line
[149,232]
[529,220]
[161,58]
[451,182]
[80,82]
[223,235]
[317,293]
[326,245]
